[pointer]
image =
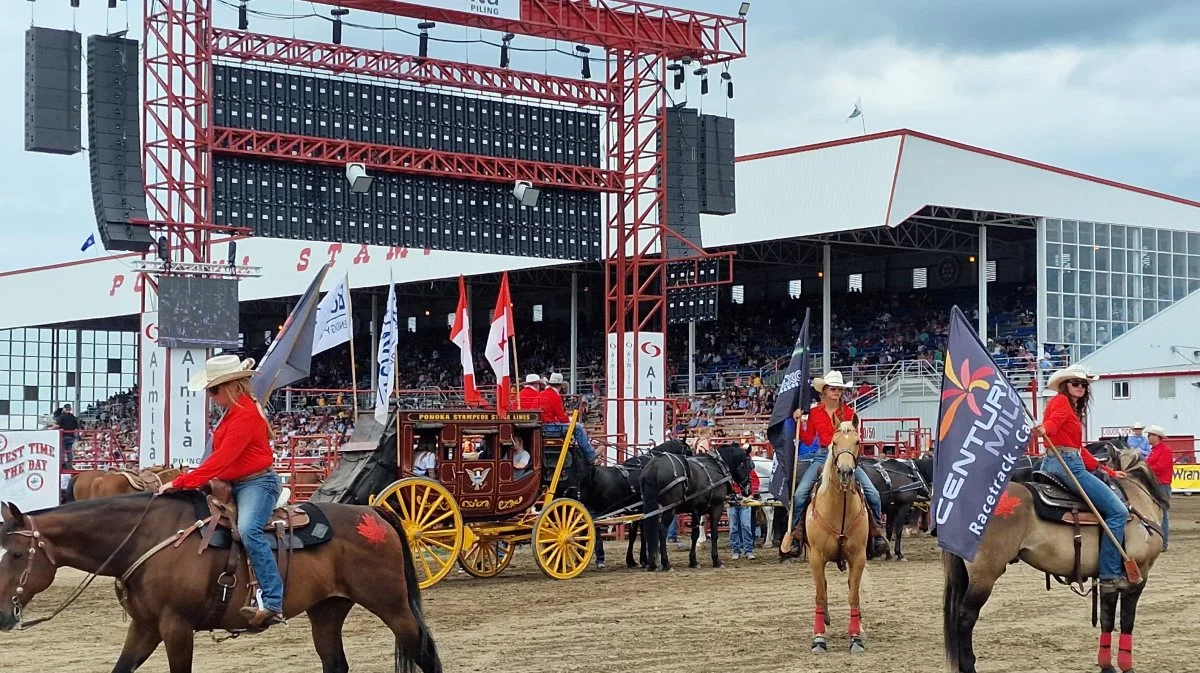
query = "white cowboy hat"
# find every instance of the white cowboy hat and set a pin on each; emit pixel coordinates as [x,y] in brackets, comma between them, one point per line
[1156,430]
[1137,426]
[1058,378]
[533,378]
[556,379]
[833,379]
[222,369]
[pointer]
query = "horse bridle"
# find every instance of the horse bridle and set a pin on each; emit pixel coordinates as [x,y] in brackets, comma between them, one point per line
[36,542]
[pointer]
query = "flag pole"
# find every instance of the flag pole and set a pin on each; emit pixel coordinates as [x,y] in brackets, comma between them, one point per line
[353,367]
[785,545]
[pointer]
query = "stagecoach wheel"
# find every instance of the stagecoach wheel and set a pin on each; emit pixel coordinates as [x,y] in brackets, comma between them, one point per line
[432,523]
[564,539]
[486,557]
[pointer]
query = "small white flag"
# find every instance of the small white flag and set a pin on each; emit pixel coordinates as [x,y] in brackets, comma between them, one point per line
[333,326]
[385,363]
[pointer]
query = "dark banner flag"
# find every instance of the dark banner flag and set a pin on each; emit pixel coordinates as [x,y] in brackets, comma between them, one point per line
[289,357]
[983,429]
[795,392]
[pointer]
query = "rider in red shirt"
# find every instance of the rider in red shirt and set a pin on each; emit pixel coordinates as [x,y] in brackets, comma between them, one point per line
[529,397]
[1162,463]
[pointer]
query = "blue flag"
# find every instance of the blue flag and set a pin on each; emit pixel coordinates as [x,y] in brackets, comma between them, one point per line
[983,429]
[795,392]
[91,240]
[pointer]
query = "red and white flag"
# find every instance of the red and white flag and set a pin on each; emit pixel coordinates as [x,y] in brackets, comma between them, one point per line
[497,345]
[460,334]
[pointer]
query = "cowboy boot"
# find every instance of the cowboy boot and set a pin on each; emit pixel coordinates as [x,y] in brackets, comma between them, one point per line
[879,544]
[798,542]
[260,618]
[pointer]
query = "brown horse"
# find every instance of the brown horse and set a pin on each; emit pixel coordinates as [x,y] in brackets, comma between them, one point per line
[171,591]
[92,484]
[1016,532]
[836,530]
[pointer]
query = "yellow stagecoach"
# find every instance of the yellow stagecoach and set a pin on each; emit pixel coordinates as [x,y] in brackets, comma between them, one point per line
[470,486]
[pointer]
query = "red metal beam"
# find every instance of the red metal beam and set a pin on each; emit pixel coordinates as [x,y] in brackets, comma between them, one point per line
[434,163]
[613,24]
[342,59]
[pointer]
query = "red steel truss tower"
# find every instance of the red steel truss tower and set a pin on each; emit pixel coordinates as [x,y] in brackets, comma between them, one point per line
[639,40]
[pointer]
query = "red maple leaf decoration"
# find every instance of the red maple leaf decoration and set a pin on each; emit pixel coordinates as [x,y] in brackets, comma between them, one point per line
[372,529]
[1007,505]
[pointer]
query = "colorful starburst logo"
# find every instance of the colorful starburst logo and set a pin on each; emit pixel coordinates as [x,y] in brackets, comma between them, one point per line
[965,382]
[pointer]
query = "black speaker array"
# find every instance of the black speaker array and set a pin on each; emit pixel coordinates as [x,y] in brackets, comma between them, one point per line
[716,166]
[280,199]
[53,81]
[342,109]
[114,143]
[687,304]
[681,138]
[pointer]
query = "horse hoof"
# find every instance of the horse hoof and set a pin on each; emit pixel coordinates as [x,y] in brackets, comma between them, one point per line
[694,564]
[1109,669]
[819,646]
[857,646]
[718,564]
[650,569]
[902,558]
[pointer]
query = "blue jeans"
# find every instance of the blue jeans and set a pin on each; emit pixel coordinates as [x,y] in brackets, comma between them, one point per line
[673,529]
[741,535]
[255,501]
[1166,522]
[1107,503]
[581,438]
[805,487]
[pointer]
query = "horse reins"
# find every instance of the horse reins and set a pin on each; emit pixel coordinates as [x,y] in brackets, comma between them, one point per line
[38,541]
[841,534]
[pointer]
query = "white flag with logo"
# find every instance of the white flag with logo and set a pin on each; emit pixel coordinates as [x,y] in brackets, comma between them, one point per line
[333,326]
[385,363]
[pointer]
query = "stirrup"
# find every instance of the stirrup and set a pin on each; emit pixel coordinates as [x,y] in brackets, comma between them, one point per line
[260,617]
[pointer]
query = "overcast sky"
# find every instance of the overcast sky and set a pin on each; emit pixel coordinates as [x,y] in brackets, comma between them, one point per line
[1107,87]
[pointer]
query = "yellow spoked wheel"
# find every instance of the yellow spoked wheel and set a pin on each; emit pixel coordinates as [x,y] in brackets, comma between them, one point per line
[432,523]
[563,539]
[486,557]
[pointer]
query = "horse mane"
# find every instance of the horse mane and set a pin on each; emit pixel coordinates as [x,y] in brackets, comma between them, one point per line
[1139,470]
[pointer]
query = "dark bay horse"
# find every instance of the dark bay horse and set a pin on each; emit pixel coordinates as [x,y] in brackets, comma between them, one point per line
[699,485]
[1017,532]
[167,597]
[901,483]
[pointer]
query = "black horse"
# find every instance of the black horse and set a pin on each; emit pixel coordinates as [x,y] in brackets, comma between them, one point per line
[606,491]
[698,485]
[902,483]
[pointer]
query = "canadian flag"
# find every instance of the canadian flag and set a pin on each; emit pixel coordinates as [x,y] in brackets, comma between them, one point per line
[497,345]
[460,334]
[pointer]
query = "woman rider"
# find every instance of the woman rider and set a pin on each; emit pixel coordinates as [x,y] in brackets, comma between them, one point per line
[818,426]
[242,455]
[1062,426]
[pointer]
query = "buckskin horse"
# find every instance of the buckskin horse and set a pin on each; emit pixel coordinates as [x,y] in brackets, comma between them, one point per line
[173,578]
[836,528]
[92,484]
[1034,522]
[699,485]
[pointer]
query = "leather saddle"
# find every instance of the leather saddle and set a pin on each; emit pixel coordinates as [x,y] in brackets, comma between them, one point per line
[1054,501]
[222,506]
[146,480]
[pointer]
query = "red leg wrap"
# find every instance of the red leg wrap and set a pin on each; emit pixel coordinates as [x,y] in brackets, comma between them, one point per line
[1104,656]
[855,623]
[1125,652]
[819,621]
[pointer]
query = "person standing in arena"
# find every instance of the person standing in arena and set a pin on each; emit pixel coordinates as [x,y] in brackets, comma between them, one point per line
[1162,463]
[242,455]
[554,414]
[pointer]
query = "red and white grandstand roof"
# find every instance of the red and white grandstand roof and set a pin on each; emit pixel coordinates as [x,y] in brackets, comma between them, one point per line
[843,185]
[884,178]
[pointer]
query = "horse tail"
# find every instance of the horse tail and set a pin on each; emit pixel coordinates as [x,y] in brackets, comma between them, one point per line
[953,597]
[424,656]
[69,496]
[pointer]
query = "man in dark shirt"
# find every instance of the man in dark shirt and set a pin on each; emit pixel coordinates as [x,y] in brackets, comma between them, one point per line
[68,425]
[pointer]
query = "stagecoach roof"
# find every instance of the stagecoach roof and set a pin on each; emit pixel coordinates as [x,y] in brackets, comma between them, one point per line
[879,181]
[884,179]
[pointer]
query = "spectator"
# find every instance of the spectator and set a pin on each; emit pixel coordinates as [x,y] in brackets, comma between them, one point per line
[1162,463]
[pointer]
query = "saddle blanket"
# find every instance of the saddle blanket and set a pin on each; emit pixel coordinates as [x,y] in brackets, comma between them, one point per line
[315,533]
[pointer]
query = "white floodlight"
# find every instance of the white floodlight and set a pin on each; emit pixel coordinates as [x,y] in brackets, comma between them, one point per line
[525,193]
[356,174]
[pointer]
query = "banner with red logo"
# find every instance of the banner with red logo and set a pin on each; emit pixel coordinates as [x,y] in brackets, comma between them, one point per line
[983,429]
[29,468]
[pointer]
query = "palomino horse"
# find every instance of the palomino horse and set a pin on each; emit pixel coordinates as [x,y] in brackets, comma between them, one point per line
[836,530]
[92,484]
[1019,531]
[172,584]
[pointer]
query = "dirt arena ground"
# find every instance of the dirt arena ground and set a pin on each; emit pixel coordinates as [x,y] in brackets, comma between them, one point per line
[750,616]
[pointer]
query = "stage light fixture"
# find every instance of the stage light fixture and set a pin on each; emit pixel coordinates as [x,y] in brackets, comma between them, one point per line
[337,23]
[702,73]
[243,16]
[586,70]
[356,175]
[423,48]
[677,82]
[744,9]
[508,37]
[728,83]
[525,193]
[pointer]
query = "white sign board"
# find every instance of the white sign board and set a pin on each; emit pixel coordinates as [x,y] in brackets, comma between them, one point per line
[188,424]
[173,420]
[500,9]
[29,469]
[152,407]
[644,391]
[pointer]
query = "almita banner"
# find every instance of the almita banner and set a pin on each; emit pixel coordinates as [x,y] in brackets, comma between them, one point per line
[500,9]
[982,430]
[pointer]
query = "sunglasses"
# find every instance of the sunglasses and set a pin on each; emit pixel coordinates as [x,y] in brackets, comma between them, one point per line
[214,390]
[1078,382]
